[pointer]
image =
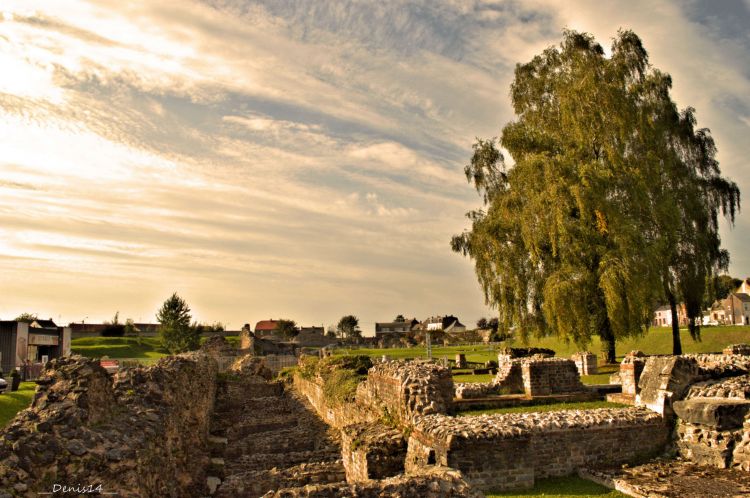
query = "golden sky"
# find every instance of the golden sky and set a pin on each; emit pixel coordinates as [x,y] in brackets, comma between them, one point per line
[297,159]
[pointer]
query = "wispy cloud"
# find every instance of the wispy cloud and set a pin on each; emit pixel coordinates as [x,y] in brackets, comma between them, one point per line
[295,158]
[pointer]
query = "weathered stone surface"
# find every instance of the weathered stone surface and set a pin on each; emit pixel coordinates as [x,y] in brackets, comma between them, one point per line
[586,362]
[510,451]
[372,451]
[408,389]
[666,379]
[673,479]
[742,349]
[427,483]
[704,445]
[718,413]
[631,369]
[141,432]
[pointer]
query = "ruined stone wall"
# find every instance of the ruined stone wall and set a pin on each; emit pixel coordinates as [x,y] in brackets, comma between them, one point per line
[335,415]
[396,390]
[586,363]
[714,423]
[405,390]
[545,376]
[372,451]
[425,483]
[510,451]
[140,433]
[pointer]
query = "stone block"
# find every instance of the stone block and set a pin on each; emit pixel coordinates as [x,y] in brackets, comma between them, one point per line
[717,413]
[666,379]
[372,451]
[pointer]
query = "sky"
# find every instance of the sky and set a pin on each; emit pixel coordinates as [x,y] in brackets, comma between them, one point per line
[288,158]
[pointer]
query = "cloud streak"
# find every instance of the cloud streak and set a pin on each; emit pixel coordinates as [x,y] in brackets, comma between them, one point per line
[287,158]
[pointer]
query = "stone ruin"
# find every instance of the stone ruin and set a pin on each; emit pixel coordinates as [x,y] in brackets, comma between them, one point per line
[586,362]
[537,375]
[182,428]
[141,432]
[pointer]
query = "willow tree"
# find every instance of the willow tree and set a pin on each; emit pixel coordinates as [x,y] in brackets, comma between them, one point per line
[597,220]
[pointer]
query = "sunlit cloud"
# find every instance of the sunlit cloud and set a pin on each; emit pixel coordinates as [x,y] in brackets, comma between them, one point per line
[300,158]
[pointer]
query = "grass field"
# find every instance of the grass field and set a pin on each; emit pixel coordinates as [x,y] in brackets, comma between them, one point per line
[118,347]
[146,349]
[551,407]
[563,487]
[658,340]
[12,402]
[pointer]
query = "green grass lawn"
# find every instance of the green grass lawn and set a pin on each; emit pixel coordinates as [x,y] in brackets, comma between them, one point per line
[12,402]
[550,407]
[145,349]
[118,347]
[563,487]
[658,340]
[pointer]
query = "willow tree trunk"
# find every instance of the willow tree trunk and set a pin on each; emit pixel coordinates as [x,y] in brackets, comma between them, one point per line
[676,342]
[607,338]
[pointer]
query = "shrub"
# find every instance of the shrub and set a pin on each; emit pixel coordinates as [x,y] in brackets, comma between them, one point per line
[341,386]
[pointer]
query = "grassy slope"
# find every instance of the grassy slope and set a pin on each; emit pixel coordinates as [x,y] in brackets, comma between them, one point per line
[118,347]
[563,487]
[13,402]
[148,348]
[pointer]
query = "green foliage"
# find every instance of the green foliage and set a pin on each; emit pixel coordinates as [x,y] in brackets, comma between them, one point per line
[340,375]
[26,317]
[611,206]
[177,335]
[114,328]
[287,328]
[348,327]
[340,386]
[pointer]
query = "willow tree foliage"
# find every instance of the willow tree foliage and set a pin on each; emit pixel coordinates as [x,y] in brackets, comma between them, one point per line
[612,204]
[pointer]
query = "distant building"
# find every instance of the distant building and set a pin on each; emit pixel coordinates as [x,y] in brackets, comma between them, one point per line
[266,328]
[663,316]
[737,308]
[448,323]
[313,337]
[384,329]
[37,342]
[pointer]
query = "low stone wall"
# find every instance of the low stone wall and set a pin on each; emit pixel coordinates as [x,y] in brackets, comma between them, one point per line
[506,452]
[427,483]
[405,390]
[538,375]
[547,376]
[338,416]
[714,423]
[140,433]
[372,451]
[586,363]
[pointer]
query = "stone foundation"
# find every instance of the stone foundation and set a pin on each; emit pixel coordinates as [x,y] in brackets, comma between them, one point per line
[547,376]
[586,363]
[372,451]
[143,432]
[427,483]
[506,452]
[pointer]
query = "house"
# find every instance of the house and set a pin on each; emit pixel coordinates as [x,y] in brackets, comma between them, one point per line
[737,308]
[36,342]
[448,323]
[267,328]
[663,316]
[714,316]
[744,287]
[394,328]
